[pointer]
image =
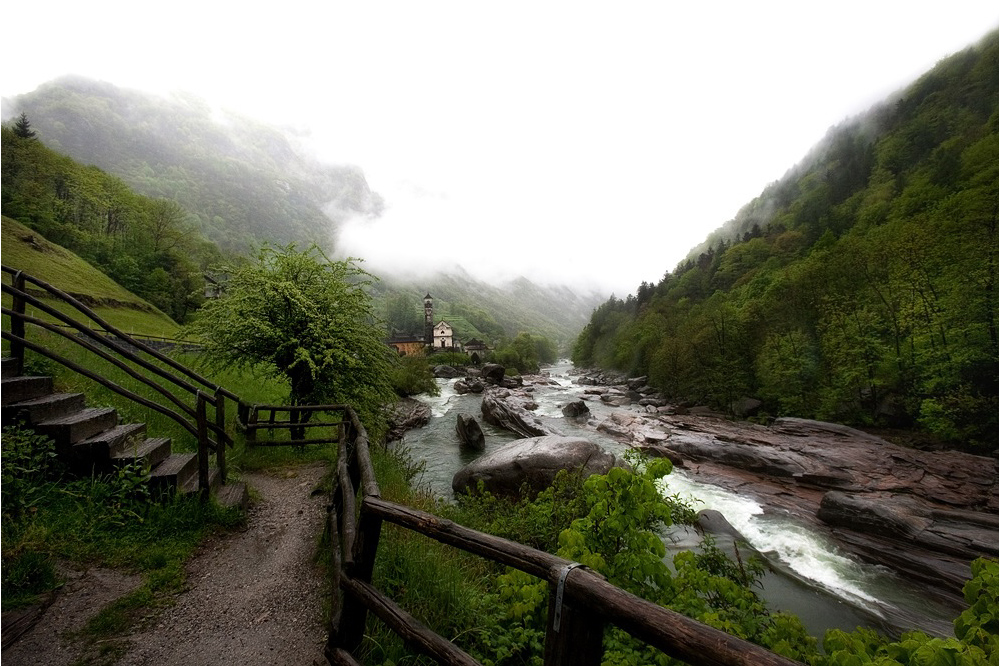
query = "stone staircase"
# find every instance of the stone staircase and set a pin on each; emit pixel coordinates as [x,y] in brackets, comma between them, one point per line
[91,441]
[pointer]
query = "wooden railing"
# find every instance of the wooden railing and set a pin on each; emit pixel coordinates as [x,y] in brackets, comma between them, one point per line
[195,403]
[581,602]
[252,419]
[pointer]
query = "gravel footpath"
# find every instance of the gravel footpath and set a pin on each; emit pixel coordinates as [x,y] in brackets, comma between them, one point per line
[252,598]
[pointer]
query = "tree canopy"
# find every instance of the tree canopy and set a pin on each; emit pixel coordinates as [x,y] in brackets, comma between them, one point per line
[304,318]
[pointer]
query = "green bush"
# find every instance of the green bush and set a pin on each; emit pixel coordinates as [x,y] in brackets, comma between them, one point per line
[413,376]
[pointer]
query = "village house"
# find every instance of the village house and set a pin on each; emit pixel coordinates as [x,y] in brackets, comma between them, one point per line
[407,346]
[476,349]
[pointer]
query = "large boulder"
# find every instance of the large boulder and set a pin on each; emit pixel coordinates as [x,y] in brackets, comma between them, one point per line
[576,410]
[493,373]
[408,413]
[469,432]
[532,461]
[512,411]
[447,372]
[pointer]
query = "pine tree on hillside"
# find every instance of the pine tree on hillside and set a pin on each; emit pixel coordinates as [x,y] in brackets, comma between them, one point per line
[22,127]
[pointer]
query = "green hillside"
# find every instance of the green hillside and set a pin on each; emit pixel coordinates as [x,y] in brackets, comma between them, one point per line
[30,252]
[861,287]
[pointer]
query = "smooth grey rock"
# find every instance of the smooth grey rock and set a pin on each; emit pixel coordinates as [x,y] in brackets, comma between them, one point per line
[469,432]
[493,373]
[510,410]
[577,410]
[532,461]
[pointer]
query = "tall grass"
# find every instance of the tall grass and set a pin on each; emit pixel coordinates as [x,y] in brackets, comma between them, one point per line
[447,589]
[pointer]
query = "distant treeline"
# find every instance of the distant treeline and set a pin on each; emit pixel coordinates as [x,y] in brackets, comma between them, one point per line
[149,246]
[862,287]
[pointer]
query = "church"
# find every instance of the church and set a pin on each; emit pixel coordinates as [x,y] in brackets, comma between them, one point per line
[438,337]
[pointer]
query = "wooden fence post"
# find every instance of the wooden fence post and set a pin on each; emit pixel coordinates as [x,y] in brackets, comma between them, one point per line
[17,325]
[574,635]
[355,613]
[202,419]
[220,422]
[251,422]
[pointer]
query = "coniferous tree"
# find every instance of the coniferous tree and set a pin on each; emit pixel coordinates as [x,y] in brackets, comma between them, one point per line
[22,127]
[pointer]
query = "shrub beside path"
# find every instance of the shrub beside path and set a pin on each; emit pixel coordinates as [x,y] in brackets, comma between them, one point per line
[252,598]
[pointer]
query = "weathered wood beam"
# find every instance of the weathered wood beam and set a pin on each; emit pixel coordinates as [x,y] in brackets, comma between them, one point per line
[413,632]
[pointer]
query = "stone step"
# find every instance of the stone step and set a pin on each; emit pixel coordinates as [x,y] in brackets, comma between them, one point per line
[71,429]
[233,495]
[9,367]
[150,451]
[98,449]
[174,472]
[43,408]
[24,388]
[214,481]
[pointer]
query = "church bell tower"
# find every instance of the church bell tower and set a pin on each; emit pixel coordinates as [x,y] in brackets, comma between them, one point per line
[428,320]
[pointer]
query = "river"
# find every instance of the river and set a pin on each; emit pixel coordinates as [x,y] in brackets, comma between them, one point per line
[810,577]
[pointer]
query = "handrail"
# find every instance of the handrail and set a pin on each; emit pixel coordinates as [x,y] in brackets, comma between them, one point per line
[116,332]
[581,602]
[120,350]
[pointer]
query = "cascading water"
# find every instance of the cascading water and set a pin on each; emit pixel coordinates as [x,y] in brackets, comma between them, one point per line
[810,577]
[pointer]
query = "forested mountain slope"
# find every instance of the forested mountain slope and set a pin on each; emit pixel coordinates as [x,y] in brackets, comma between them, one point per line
[244,182]
[862,287]
[145,245]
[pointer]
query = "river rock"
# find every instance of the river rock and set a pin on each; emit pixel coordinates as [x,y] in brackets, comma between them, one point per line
[510,410]
[577,411]
[469,385]
[469,432]
[448,372]
[532,461]
[408,413]
[493,373]
[746,406]
[512,382]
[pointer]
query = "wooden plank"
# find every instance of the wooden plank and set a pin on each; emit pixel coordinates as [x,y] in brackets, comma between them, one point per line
[285,425]
[505,552]
[347,514]
[336,407]
[336,572]
[413,632]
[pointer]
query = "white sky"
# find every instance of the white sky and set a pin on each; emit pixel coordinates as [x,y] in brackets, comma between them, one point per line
[587,142]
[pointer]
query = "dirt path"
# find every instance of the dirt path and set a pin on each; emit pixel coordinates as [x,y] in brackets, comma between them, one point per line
[253,598]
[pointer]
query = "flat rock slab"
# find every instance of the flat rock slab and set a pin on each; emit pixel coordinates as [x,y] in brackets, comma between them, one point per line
[534,461]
